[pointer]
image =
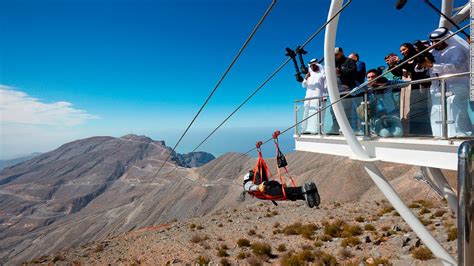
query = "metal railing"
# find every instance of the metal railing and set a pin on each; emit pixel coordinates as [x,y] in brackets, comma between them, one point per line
[365,122]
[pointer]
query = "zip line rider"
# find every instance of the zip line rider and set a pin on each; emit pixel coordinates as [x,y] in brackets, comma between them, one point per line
[308,192]
[258,184]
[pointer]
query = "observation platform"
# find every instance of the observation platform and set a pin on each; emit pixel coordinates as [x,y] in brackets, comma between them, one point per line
[315,131]
[419,151]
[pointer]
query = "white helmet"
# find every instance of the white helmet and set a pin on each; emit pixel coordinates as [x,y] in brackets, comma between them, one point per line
[247,177]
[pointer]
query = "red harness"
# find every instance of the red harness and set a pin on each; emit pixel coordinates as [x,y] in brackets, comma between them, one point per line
[262,173]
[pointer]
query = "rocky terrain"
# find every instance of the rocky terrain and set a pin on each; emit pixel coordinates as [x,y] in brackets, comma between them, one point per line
[91,190]
[368,232]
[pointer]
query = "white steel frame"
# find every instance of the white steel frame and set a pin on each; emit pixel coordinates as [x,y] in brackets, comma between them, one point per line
[360,154]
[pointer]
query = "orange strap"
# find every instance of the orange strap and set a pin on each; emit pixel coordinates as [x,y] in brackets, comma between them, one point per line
[275,139]
[261,168]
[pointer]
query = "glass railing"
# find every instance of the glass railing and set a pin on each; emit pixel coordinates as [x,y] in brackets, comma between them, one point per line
[434,107]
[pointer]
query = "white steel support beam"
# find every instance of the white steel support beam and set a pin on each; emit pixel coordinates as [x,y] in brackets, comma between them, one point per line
[462,14]
[439,180]
[447,9]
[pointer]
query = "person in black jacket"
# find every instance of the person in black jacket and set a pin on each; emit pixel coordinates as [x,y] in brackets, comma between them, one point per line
[346,70]
[360,68]
[414,99]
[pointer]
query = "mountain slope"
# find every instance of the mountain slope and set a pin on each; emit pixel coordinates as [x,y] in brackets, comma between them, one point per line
[90,189]
[60,194]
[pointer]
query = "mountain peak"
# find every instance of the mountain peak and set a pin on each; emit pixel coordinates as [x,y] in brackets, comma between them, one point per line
[137,138]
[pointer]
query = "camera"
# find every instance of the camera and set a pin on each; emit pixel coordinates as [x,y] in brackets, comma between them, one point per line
[424,57]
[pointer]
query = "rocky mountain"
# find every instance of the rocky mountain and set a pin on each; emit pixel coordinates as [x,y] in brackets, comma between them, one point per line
[44,195]
[11,162]
[195,159]
[91,189]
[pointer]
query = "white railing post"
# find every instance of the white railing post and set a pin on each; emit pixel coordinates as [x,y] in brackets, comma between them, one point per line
[296,118]
[366,115]
[444,111]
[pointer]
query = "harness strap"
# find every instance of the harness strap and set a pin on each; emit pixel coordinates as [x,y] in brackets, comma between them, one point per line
[289,176]
[265,174]
[275,139]
[281,182]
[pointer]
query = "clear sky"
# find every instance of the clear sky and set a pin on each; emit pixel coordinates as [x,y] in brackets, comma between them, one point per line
[71,69]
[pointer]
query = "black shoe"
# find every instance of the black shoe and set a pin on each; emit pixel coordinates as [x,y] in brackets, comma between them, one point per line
[308,195]
[315,194]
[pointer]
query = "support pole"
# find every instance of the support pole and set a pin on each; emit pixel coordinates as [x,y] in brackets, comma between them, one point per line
[466,204]
[330,68]
[438,179]
[359,152]
[462,14]
[447,9]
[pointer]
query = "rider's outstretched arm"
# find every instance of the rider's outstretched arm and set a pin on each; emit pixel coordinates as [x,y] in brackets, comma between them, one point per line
[250,187]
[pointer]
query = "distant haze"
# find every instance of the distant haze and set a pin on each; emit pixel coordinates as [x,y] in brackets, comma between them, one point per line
[6,163]
[224,140]
[228,140]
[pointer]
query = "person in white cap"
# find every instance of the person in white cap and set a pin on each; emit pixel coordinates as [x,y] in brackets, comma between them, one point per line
[450,56]
[315,85]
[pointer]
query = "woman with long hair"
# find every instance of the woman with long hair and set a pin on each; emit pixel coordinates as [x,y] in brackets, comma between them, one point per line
[414,99]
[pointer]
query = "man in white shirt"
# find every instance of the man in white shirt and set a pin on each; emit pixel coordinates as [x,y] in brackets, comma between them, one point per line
[315,85]
[450,57]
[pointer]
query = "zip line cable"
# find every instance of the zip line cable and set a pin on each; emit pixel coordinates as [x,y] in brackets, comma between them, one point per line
[326,107]
[330,105]
[216,86]
[278,69]
[243,103]
[271,76]
[316,113]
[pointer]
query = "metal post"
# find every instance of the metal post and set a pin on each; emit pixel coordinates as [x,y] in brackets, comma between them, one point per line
[320,116]
[444,111]
[366,115]
[471,48]
[465,204]
[296,118]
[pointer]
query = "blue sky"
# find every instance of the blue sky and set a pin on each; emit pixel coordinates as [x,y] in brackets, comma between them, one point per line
[146,66]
